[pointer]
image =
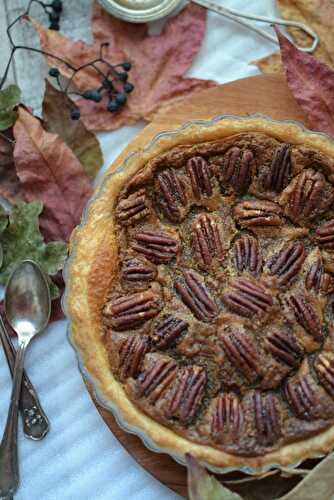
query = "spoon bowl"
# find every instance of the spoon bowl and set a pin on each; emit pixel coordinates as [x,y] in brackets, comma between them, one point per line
[27,300]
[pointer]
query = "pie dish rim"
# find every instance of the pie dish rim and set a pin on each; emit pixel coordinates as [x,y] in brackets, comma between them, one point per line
[159,438]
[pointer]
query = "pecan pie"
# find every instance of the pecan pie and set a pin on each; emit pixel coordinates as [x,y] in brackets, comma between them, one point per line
[200,293]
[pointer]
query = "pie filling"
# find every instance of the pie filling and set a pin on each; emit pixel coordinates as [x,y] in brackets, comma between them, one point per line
[219,322]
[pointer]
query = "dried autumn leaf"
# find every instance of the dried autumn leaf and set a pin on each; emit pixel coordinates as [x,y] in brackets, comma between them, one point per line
[21,239]
[10,187]
[158,62]
[271,64]
[317,14]
[312,84]
[9,98]
[203,486]
[318,484]
[56,114]
[50,172]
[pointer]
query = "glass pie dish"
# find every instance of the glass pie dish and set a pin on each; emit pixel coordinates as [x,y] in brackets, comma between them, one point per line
[237,251]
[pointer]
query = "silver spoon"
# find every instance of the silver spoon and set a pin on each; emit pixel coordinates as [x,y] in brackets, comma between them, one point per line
[27,306]
[35,422]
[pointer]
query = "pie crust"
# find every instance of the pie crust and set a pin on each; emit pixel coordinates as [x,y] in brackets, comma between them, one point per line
[92,277]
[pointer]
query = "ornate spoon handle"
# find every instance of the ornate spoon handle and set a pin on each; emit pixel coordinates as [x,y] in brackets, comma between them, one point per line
[35,422]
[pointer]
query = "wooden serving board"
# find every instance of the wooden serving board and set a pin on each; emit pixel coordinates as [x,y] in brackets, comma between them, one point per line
[259,94]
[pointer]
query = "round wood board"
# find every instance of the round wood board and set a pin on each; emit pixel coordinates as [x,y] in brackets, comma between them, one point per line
[259,94]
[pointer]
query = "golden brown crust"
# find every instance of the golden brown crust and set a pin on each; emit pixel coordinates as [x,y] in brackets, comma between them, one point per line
[91,272]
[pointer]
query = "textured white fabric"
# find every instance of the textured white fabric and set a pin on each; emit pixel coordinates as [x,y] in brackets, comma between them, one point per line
[80,459]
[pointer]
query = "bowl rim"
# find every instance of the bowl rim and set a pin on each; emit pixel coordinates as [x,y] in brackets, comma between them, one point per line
[143,15]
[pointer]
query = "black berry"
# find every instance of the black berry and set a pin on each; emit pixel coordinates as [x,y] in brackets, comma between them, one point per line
[112,106]
[126,66]
[57,6]
[54,72]
[96,96]
[54,26]
[123,76]
[128,87]
[93,95]
[120,98]
[75,114]
[106,84]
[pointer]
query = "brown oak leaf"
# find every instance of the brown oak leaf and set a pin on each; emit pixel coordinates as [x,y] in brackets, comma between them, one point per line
[158,62]
[318,15]
[312,84]
[50,172]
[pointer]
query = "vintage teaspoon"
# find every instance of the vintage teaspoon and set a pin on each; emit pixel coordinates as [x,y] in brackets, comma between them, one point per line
[35,422]
[27,306]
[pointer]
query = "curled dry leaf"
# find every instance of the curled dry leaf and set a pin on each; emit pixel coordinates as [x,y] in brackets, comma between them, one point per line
[83,143]
[50,172]
[158,62]
[203,486]
[312,84]
[319,15]
[318,484]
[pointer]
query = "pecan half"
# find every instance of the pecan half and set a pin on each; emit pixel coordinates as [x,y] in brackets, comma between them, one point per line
[133,208]
[258,213]
[324,367]
[187,394]
[154,380]
[247,298]
[325,235]
[306,316]
[138,272]
[242,353]
[318,279]
[237,168]
[267,421]
[283,346]
[131,354]
[173,194]
[131,310]
[287,263]
[301,396]
[168,330]
[227,415]
[307,195]
[207,240]
[157,247]
[247,256]
[199,173]
[280,169]
[196,296]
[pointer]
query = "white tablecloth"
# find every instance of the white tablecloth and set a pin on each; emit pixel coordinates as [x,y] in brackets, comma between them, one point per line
[80,459]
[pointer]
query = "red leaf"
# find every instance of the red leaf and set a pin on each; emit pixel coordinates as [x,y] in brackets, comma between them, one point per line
[51,173]
[158,62]
[312,84]
[56,311]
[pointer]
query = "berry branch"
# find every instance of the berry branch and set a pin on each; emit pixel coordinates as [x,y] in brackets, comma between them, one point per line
[114,82]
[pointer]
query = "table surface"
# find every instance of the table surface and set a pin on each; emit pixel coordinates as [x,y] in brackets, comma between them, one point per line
[80,458]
